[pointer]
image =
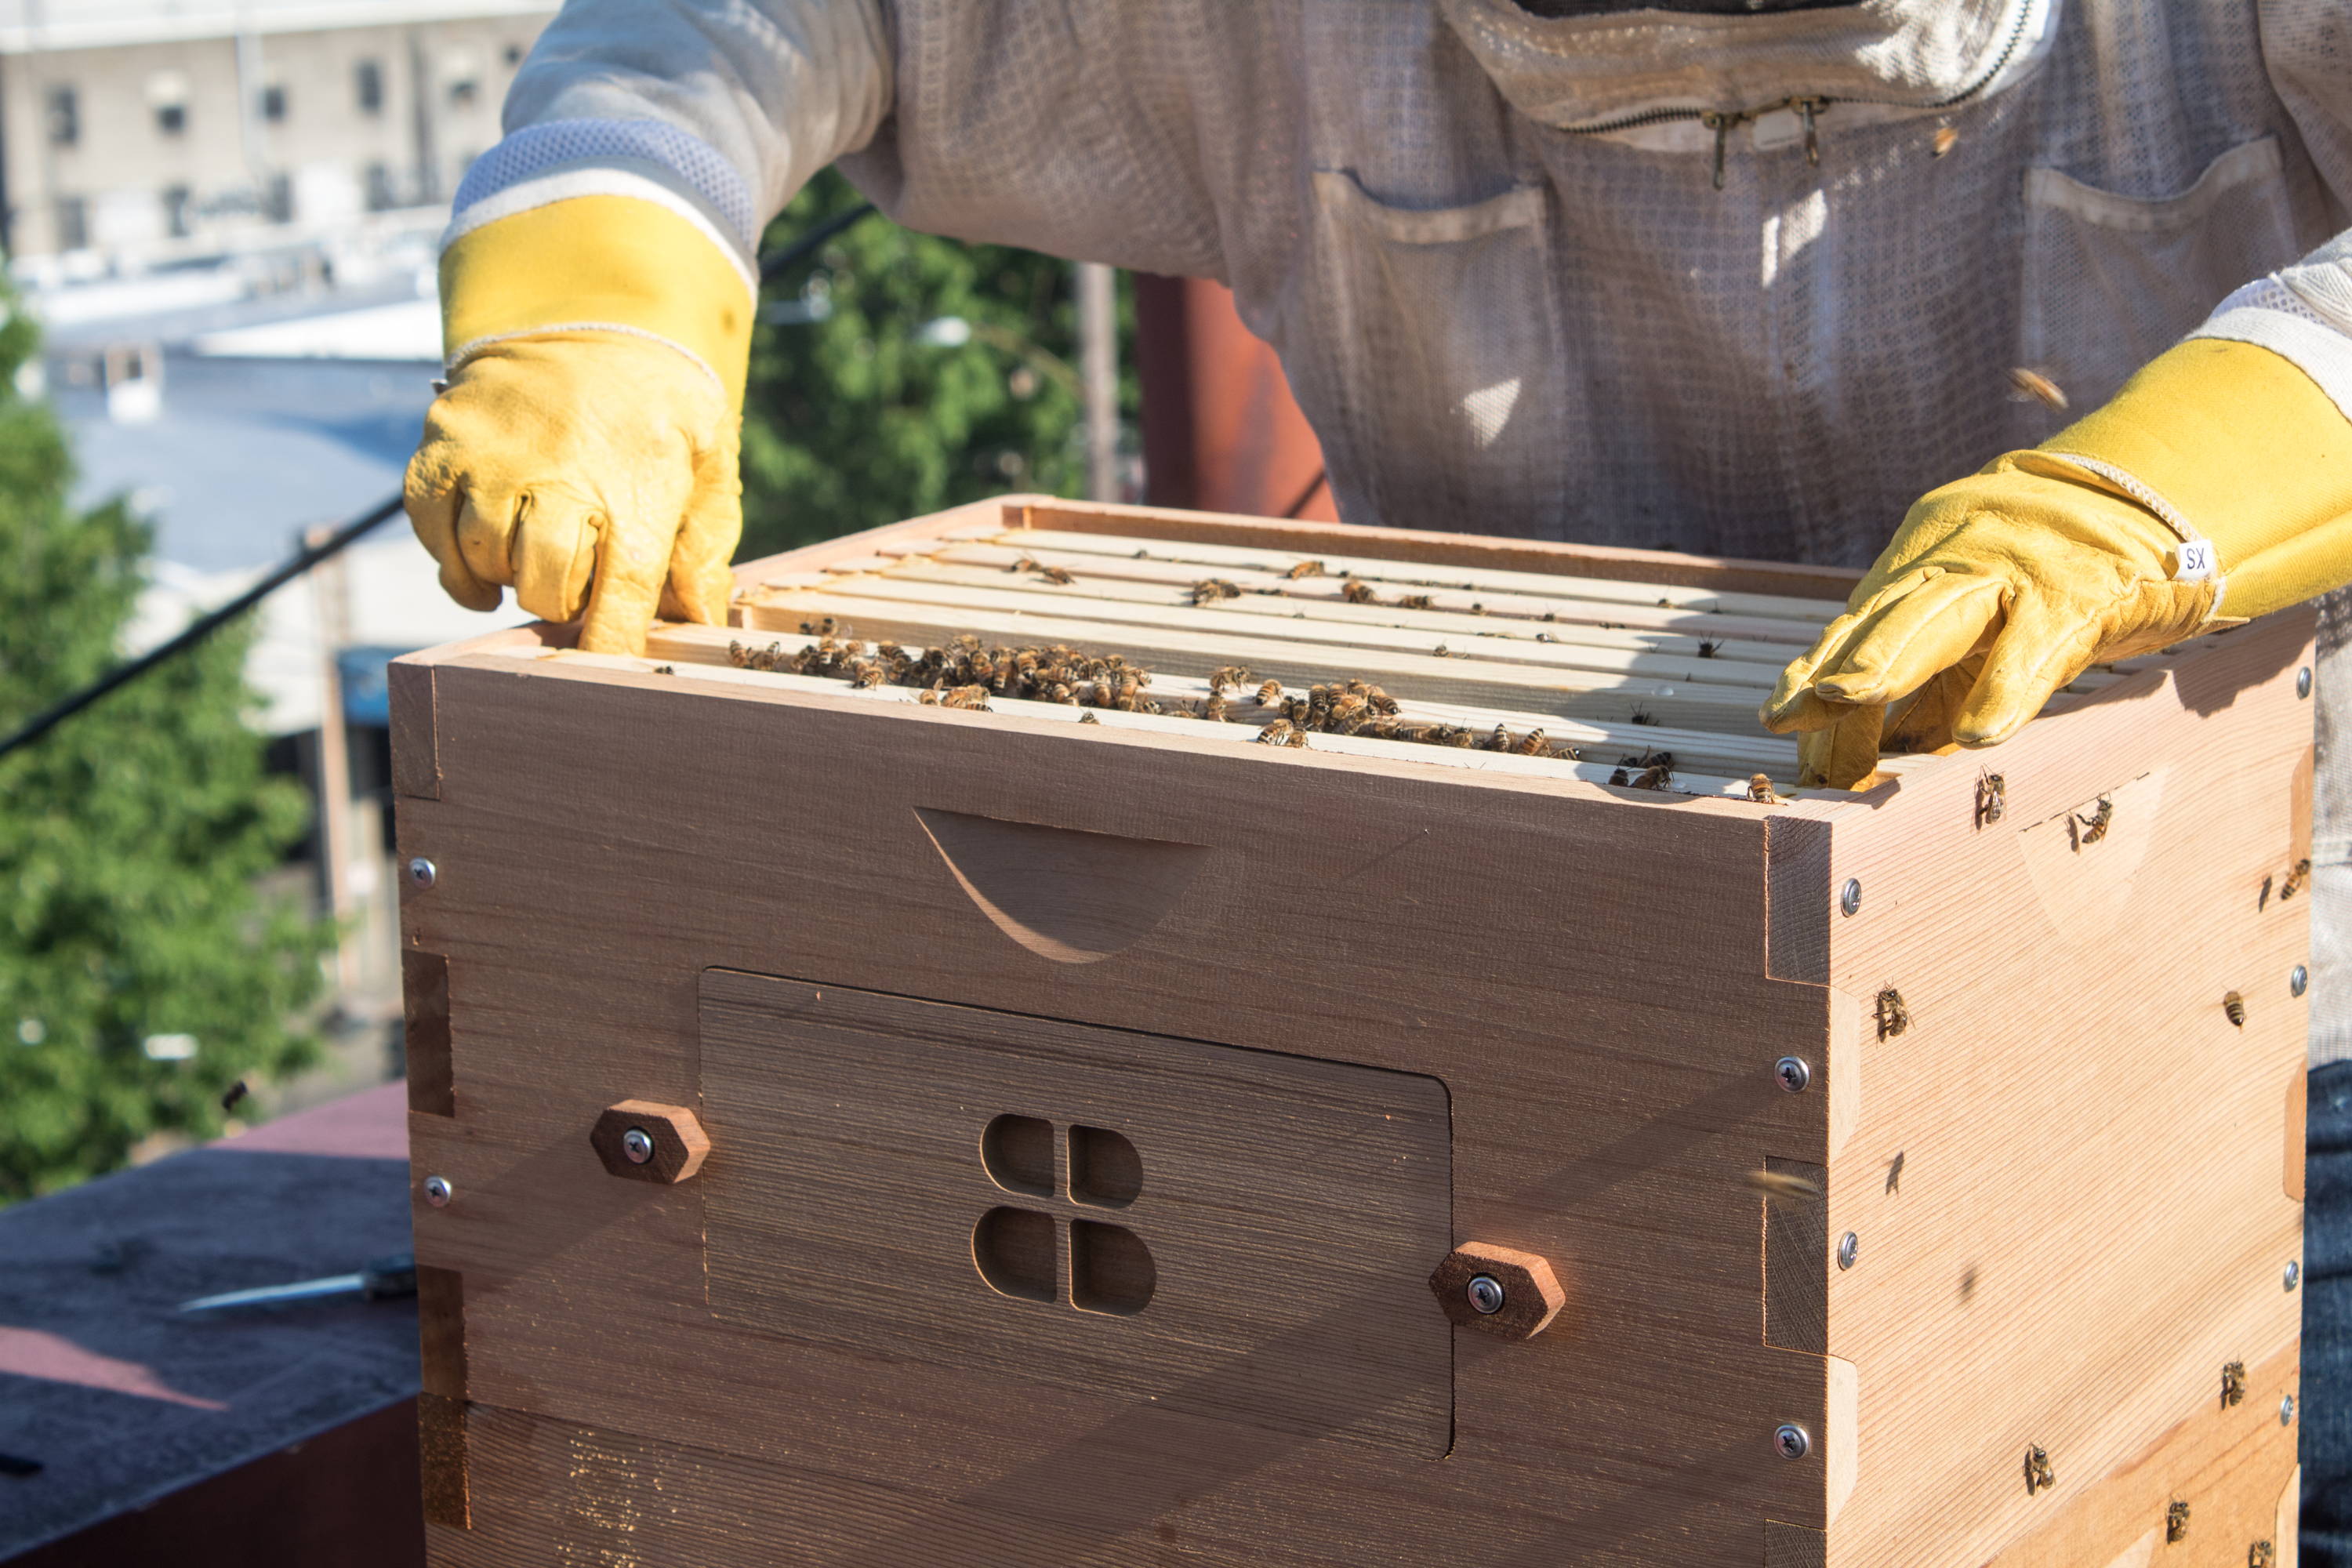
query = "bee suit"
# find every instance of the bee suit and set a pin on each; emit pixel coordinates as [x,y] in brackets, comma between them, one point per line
[1739,284]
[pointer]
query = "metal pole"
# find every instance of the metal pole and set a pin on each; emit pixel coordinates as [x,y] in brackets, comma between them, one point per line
[330,615]
[1099,372]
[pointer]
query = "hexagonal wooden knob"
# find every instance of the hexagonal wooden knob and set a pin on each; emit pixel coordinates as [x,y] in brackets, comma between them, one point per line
[1497,1290]
[646,1142]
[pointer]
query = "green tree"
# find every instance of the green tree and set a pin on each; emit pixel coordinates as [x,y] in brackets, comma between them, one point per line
[895,373]
[131,839]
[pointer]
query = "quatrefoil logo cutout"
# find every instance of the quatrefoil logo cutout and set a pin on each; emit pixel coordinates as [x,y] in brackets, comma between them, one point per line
[1066,1253]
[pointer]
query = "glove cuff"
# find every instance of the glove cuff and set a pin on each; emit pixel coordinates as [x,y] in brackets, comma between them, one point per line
[2239,454]
[598,263]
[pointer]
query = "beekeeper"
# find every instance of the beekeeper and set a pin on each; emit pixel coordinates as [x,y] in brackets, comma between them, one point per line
[1738,277]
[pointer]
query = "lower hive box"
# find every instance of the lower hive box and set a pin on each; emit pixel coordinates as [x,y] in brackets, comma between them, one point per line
[1094,1034]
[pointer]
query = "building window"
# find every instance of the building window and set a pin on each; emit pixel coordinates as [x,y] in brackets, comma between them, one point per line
[65,117]
[73,224]
[381,195]
[367,86]
[514,55]
[178,203]
[167,95]
[279,202]
[462,69]
[273,103]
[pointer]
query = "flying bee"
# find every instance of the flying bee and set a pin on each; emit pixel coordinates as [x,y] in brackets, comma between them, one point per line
[236,1091]
[1305,569]
[1779,1186]
[1357,593]
[2032,385]
[1946,139]
[1760,790]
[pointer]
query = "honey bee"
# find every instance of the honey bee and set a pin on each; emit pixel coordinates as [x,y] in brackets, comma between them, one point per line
[2233,1007]
[1058,575]
[2175,1521]
[1215,708]
[1499,741]
[1357,593]
[1640,715]
[1656,776]
[1534,745]
[1088,718]
[1277,733]
[2295,879]
[1706,648]
[1209,590]
[1893,1017]
[2091,828]
[824,628]
[1025,564]
[236,1091]
[1993,799]
[1779,1186]
[2233,1382]
[2032,385]
[1546,637]
[1305,569]
[665,670]
[1760,790]
[974,699]
[2263,898]
[1946,139]
[1269,694]
[1440,652]
[1551,615]
[1416,602]
[1229,674]
[2038,1473]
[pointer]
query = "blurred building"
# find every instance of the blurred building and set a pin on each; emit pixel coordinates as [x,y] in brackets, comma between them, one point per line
[152,132]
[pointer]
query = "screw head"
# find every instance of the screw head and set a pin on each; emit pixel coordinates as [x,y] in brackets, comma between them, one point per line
[2303,681]
[1485,1294]
[1793,1074]
[422,871]
[1850,896]
[1848,1244]
[2293,1274]
[2298,981]
[438,1192]
[2287,1410]
[1791,1441]
[637,1145]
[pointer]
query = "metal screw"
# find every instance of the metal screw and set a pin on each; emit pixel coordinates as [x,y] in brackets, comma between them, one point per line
[1486,1293]
[437,1192]
[1793,1074]
[637,1145]
[2287,1410]
[421,871]
[1848,1244]
[1791,1441]
[2298,981]
[2293,1275]
[2303,681]
[1850,896]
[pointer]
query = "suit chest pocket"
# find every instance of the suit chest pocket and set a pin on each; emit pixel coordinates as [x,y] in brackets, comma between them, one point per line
[1448,389]
[2112,281]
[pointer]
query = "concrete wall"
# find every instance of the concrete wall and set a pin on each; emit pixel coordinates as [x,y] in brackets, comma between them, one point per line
[327,157]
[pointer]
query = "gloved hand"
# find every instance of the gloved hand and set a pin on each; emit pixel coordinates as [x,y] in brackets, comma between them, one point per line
[584,449]
[2218,483]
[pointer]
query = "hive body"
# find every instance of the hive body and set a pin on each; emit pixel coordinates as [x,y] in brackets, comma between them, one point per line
[1089,1105]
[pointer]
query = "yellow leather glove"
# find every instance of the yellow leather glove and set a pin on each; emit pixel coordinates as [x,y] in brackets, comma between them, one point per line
[584,450]
[2216,486]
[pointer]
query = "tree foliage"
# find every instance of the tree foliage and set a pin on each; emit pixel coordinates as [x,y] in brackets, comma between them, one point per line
[130,840]
[895,373]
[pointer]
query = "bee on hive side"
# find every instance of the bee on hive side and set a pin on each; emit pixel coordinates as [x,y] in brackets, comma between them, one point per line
[1230,674]
[1893,1017]
[2091,828]
[1706,648]
[1499,741]
[1546,637]
[1088,718]
[1060,576]
[1269,694]
[1305,569]
[665,670]
[1215,708]
[1621,777]
[1640,715]
[1414,602]
[1760,790]
[971,697]
[2295,878]
[1658,777]
[1357,593]
[1277,733]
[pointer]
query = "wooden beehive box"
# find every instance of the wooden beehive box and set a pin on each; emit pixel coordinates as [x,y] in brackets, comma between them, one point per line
[1091,1097]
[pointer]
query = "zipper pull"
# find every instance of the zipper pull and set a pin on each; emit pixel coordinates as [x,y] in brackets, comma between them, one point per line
[1806,106]
[1721,125]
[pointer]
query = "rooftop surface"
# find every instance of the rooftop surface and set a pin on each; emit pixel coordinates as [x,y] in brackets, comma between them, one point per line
[29,24]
